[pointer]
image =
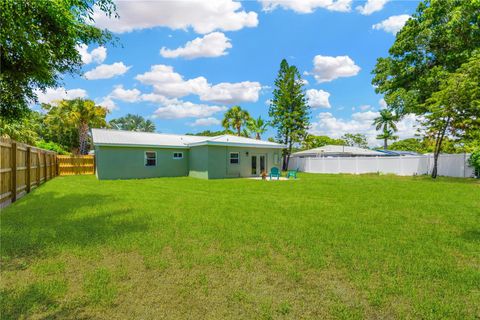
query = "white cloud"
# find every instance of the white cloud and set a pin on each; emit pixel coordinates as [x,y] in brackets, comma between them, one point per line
[107,71]
[371,6]
[229,93]
[108,103]
[211,45]
[392,24]
[382,103]
[365,107]
[119,93]
[186,109]
[318,98]
[327,68]
[360,122]
[205,122]
[168,83]
[201,15]
[97,55]
[307,6]
[52,95]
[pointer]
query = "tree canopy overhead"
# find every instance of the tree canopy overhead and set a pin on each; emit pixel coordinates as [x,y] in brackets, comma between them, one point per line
[439,37]
[38,43]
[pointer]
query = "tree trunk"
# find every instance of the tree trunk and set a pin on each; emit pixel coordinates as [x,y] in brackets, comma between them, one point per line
[285,153]
[239,131]
[385,144]
[438,148]
[83,138]
[258,136]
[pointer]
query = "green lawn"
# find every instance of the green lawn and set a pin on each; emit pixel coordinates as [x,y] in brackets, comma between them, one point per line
[324,246]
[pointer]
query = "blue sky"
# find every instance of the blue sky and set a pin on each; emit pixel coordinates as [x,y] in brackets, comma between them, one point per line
[233,57]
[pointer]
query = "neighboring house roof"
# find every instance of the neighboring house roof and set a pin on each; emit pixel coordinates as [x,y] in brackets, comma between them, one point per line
[399,153]
[108,137]
[337,151]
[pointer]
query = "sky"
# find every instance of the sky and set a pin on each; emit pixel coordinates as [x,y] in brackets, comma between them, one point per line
[183,63]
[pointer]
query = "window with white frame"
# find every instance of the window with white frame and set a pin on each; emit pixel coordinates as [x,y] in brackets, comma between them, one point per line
[234,158]
[150,158]
[178,155]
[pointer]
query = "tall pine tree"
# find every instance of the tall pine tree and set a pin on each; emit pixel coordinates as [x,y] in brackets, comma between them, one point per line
[289,110]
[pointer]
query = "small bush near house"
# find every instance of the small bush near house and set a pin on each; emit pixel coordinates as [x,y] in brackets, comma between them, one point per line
[474,161]
[51,146]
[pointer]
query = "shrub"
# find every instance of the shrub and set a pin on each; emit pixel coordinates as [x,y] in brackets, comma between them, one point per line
[474,161]
[51,146]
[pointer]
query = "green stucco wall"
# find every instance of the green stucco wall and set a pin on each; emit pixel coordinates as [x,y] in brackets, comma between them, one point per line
[206,162]
[128,163]
[218,161]
[198,161]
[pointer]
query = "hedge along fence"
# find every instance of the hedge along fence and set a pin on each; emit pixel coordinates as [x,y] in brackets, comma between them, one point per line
[72,165]
[23,167]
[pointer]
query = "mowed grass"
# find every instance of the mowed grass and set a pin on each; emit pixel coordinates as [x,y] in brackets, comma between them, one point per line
[324,246]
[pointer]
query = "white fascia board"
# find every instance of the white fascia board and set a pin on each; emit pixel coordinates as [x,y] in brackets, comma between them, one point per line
[139,146]
[235,144]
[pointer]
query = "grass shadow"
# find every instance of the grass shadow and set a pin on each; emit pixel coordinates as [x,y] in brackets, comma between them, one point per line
[471,235]
[53,221]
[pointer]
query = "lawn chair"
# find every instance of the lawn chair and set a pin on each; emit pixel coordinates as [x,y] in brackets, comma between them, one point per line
[274,172]
[292,173]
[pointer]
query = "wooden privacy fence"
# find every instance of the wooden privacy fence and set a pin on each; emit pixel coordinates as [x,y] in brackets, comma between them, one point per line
[23,167]
[71,165]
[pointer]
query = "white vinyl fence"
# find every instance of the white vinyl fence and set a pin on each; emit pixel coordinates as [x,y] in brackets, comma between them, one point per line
[451,165]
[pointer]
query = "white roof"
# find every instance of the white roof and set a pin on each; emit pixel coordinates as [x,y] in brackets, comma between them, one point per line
[339,150]
[230,140]
[108,137]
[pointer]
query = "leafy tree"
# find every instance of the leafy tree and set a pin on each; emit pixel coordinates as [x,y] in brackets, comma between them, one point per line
[438,39]
[38,43]
[386,122]
[311,141]
[132,122]
[27,129]
[410,144]
[235,118]
[71,121]
[427,145]
[454,109]
[257,126]
[208,133]
[289,110]
[355,140]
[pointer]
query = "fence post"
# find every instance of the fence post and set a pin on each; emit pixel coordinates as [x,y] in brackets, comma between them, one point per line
[38,168]
[29,167]
[44,167]
[13,176]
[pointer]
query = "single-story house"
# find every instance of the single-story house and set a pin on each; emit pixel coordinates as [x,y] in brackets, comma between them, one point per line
[128,155]
[337,151]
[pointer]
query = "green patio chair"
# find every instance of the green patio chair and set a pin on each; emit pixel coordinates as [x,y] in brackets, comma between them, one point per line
[292,173]
[274,172]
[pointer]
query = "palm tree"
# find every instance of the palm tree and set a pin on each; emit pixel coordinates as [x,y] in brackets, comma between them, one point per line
[235,118]
[132,122]
[75,118]
[387,135]
[386,122]
[257,126]
[84,114]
